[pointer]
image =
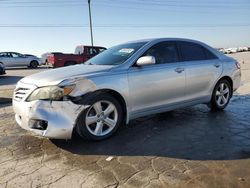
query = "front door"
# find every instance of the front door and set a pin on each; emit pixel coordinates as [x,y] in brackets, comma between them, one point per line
[19,60]
[153,87]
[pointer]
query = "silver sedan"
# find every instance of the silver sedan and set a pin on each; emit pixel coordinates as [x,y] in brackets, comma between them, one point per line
[125,82]
[14,59]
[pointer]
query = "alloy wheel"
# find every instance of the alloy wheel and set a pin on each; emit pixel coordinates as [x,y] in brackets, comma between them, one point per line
[101,118]
[222,94]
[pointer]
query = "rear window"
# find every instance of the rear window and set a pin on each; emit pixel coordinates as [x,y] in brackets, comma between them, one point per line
[79,50]
[194,52]
[210,55]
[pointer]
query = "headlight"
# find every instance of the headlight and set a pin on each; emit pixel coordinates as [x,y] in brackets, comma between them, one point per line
[54,93]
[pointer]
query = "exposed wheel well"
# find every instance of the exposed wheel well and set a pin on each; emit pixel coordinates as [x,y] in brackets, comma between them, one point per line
[229,80]
[89,96]
[120,99]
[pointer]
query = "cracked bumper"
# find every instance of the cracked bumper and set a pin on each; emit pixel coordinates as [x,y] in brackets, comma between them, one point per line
[60,115]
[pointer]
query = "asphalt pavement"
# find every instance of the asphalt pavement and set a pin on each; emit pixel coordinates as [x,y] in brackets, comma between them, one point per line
[190,147]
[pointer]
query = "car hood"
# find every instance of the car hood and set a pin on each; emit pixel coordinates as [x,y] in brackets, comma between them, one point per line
[55,76]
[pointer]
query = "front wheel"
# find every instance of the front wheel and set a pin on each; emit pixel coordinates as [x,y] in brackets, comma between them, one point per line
[221,95]
[101,119]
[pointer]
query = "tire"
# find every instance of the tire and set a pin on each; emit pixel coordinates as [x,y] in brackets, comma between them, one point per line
[34,64]
[222,94]
[96,127]
[69,63]
[2,69]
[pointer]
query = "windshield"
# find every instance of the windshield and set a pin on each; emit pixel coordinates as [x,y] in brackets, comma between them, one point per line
[116,55]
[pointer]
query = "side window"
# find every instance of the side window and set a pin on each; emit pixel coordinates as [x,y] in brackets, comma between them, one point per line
[9,54]
[3,54]
[164,52]
[101,50]
[92,51]
[15,55]
[78,50]
[210,55]
[191,51]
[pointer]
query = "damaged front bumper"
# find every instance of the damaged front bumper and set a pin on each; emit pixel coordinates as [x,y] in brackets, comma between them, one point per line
[52,119]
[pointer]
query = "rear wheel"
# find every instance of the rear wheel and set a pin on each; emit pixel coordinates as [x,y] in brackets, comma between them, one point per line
[101,119]
[34,64]
[2,69]
[221,95]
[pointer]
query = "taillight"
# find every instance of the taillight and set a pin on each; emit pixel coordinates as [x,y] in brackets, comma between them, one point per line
[237,64]
[51,58]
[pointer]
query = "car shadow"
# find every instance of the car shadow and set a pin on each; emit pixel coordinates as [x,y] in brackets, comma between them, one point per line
[9,80]
[5,101]
[194,133]
[25,68]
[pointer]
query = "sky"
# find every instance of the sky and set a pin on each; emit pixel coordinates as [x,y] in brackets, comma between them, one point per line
[39,26]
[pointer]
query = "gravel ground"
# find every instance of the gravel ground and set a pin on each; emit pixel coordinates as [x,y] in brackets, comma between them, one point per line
[190,147]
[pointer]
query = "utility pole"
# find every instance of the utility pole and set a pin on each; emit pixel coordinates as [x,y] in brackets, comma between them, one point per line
[90,24]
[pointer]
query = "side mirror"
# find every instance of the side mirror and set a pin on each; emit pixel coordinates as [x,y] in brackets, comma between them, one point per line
[145,60]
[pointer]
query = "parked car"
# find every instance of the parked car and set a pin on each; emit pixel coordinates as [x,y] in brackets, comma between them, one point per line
[2,69]
[222,50]
[82,54]
[230,50]
[242,49]
[14,59]
[29,55]
[125,82]
[44,57]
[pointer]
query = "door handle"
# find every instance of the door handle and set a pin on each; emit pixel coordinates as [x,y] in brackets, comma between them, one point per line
[217,65]
[179,70]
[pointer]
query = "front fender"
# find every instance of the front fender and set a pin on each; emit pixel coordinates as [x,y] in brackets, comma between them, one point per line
[87,88]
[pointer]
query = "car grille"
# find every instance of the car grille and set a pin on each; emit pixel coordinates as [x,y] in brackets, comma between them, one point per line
[22,91]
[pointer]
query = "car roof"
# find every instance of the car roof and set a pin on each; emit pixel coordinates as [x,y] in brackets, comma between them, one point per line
[164,39]
[90,46]
[11,52]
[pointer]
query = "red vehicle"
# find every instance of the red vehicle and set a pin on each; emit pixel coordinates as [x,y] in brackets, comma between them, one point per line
[82,54]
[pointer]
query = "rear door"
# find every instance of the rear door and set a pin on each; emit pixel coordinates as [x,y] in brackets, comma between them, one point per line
[202,67]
